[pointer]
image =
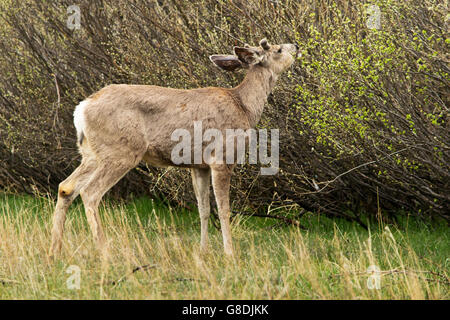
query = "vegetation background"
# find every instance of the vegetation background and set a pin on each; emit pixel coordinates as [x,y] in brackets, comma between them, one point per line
[364,133]
[363,115]
[154,253]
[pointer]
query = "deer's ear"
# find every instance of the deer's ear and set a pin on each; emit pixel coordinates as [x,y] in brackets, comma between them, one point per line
[264,44]
[228,63]
[247,55]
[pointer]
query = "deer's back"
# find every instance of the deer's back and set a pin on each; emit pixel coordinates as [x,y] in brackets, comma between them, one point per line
[144,117]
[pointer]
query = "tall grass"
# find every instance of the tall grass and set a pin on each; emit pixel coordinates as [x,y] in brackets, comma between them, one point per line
[328,260]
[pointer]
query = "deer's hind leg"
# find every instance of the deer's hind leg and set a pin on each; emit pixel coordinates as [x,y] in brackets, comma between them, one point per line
[106,175]
[68,190]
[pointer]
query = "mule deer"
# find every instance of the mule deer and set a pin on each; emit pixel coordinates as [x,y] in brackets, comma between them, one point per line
[121,125]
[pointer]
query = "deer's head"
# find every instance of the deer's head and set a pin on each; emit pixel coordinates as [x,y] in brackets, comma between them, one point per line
[276,58]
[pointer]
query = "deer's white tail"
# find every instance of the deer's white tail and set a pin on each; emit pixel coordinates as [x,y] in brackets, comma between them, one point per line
[78,120]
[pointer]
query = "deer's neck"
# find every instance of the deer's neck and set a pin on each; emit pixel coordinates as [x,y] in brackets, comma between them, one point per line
[254,90]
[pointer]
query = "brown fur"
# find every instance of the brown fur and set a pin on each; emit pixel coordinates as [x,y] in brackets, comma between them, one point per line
[125,124]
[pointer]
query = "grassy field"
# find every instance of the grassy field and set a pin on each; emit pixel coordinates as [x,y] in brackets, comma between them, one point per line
[328,260]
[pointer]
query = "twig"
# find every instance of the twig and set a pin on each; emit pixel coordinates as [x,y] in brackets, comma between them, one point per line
[441,278]
[228,34]
[144,268]
[8,281]
[353,169]
[58,102]
[188,279]
[284,219]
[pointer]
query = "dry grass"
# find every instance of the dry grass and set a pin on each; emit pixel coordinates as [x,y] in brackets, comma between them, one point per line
[329,261]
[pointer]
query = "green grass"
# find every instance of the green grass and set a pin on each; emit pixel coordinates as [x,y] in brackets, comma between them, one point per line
[327,261]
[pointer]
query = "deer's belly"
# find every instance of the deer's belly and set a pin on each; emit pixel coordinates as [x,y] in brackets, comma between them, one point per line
[156,159]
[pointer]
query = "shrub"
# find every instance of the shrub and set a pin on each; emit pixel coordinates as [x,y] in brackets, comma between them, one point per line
[363,115]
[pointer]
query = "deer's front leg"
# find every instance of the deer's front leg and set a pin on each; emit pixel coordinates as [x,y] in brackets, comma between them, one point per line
[221,176]
[201,183]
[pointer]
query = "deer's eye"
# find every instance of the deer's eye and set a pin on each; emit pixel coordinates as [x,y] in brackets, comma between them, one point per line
[279,50]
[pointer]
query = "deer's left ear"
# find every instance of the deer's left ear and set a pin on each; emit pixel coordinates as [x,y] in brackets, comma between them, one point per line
[228,63]
[264,44]
[248,56]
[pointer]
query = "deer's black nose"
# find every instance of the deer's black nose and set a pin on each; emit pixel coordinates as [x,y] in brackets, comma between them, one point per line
[297,47]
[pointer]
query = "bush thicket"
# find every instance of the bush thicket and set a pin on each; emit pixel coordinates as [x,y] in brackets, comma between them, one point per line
[363,115]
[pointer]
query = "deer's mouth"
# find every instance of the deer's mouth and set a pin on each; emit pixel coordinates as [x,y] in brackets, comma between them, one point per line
[296,53]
